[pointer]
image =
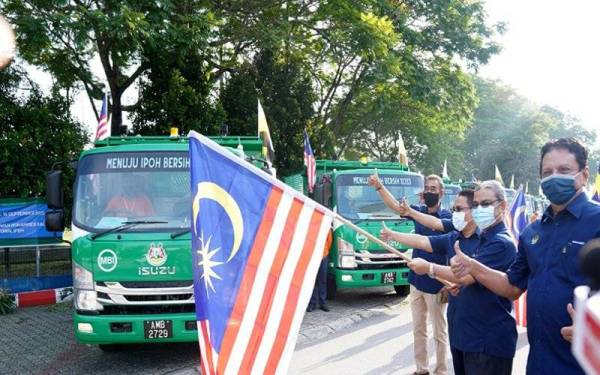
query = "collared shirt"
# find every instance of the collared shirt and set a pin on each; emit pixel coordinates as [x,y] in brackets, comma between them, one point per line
[423,282]
[547,267]
[480,321]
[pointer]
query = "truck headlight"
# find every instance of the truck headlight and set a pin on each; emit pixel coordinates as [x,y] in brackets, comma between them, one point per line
[82,278]
[345,247]
[347,261]
[86,300]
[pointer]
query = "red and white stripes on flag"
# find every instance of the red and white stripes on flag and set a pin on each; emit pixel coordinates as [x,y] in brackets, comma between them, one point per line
[277,285]
[103,130]
[310,163]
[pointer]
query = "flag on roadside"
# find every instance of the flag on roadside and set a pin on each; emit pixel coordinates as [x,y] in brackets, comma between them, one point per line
[526,187]
[512,181]
[596,195]
[268,151]
[445,170]
[517,221]
[402,154]
[498,176]
[310,163]
[103,130]
[257,245]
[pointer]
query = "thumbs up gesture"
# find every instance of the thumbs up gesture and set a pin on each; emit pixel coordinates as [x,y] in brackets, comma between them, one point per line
[460,264]
[374,180]
[385,234]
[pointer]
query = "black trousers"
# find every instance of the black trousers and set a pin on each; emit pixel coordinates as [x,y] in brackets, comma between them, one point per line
[319,294]
[466,363]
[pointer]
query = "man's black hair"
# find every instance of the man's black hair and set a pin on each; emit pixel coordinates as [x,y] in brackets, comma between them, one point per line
[469,194]
[572,145]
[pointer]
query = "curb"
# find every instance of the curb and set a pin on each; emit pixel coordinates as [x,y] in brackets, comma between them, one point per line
[311,334]
[43,297]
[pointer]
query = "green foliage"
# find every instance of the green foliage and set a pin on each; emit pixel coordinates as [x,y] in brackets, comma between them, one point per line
[7,304]
[509,131]
[37,131]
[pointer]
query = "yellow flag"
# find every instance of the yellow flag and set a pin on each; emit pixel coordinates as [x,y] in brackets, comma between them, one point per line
[512,182]
[263,132]
[402,155]
[498,176]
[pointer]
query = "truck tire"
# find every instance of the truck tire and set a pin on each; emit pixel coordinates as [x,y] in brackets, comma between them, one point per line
[110,348]
[331,288]
[402,290]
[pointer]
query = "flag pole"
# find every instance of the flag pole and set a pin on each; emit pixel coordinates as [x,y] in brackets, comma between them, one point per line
[381,243]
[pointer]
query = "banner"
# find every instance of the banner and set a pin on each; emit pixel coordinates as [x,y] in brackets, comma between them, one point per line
[23,219]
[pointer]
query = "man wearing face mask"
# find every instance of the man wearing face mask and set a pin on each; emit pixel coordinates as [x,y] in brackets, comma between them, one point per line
[425,293]
[547,261]
[478,347]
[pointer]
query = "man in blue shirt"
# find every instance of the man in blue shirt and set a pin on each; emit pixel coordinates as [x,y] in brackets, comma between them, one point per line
[547,261]
[483,333]
[425,293]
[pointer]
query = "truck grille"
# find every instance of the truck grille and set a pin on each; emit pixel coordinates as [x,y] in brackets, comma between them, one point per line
[367,260]
[151,297]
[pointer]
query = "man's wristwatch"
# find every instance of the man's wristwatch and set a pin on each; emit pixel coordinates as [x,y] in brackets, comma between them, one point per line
[431,273]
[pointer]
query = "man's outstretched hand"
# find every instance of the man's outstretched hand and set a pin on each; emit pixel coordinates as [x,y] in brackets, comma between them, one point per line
[460,264]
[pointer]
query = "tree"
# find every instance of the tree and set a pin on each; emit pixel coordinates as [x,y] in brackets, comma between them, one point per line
[37,131]
[64,37]
[286,93]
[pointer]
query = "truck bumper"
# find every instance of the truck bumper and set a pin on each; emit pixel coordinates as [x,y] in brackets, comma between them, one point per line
[345,278]
[113,329]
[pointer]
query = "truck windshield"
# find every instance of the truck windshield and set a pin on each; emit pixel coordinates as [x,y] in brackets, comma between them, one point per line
[450,194]
[114,188]
[358,201]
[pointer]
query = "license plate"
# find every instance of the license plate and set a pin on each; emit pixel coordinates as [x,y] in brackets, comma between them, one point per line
[158,329]
[388,277]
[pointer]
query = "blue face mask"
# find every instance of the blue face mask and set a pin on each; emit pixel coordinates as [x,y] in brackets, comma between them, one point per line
[484,217]
[559,188]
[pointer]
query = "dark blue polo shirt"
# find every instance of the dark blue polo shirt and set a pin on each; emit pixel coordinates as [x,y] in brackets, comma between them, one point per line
[547,267]
[423,282]
[480,321]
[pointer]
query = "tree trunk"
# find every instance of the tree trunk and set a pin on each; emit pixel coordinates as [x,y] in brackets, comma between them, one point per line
[117,112]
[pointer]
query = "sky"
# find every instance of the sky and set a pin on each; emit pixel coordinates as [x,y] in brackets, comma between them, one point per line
[551,54]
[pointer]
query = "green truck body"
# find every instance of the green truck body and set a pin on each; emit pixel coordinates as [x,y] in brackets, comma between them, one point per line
[135,284]
[355,261]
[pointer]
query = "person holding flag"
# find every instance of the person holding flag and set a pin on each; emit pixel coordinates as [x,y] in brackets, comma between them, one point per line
[547,263]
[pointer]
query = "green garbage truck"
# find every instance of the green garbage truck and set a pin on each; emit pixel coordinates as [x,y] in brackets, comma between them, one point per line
[355,261]
[131,249]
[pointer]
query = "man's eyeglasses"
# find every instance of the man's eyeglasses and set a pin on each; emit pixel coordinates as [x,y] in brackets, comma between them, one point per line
[483,204]
[459,209]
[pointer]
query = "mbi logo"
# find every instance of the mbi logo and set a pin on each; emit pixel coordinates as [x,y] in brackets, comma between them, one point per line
[107,260]
[156,256]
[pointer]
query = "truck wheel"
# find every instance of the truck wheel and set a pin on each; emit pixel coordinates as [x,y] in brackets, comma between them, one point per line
[402,290]
[331,288]
[110,348]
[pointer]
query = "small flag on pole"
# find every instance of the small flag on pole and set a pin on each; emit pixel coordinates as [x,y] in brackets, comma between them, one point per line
[517,221]
[402,154]
[498,176]
[445,170]
[257,246]
[512,181]
[596,195]
[103,130]
[310,163]
[263,132]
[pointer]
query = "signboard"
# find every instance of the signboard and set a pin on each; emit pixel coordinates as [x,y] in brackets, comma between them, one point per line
[23,219]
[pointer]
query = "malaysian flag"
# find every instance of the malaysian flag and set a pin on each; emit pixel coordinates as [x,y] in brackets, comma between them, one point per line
[310,163]
[257,245]
[103,130]
[517,221]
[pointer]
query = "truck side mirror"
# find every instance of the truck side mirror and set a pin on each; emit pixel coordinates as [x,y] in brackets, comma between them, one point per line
[54,190]
[55,220]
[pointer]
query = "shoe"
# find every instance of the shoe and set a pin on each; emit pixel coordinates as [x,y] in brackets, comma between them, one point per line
[324,308]
[310,308]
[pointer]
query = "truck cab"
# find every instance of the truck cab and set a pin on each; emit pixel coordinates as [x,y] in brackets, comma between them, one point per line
[354,261]
[132,262]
